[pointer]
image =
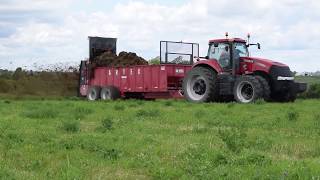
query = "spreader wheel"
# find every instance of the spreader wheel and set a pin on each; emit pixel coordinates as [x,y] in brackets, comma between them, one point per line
[247,89]
[110,93]
[93,93]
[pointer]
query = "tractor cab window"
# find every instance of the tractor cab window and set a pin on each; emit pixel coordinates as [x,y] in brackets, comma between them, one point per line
[220,52]
[240,50]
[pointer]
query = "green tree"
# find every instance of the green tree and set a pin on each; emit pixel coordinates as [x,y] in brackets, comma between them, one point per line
[18,74]
[154,61]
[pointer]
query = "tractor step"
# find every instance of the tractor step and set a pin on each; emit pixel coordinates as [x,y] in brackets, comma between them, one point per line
[225,83]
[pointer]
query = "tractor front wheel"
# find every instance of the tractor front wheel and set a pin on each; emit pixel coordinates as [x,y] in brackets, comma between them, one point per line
[200,85]
[247,89]
[266,88]
[284,97]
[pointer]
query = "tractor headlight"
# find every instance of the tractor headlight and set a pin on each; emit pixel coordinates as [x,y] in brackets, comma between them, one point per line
[282,78]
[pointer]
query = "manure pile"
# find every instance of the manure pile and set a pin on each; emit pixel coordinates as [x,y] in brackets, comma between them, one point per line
[108,59]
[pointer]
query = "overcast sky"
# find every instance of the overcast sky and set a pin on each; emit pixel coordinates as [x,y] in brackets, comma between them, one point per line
[47,31]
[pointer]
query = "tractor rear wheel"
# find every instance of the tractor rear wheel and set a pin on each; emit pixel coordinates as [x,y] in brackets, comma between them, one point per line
[93,93]
[266,88]
[110,93]
[247,89]
[199,85]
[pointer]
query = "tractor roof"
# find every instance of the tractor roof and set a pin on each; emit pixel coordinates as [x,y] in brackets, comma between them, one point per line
[227,40]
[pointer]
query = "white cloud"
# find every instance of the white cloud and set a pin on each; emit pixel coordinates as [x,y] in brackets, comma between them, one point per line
[33,4]
[288,29]
[42,35]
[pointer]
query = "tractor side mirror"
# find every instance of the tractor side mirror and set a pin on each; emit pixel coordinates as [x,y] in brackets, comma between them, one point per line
[258,44]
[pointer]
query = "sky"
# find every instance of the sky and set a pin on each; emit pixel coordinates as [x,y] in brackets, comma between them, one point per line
[47,32]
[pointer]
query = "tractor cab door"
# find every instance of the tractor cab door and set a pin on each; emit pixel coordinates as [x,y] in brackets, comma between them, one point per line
[222,53]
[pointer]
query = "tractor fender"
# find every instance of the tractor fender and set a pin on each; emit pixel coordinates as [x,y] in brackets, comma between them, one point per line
[211,64]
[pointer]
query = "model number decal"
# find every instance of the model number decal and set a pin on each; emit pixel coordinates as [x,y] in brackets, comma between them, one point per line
[248,61]
[262,65]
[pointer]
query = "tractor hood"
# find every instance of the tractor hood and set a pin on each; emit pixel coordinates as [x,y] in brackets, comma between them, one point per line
[275,69]
[266,62]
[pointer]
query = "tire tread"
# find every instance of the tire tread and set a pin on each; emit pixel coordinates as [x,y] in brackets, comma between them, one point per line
[266,88]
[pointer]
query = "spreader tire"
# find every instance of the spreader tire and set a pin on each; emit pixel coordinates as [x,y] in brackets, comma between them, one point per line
[110,93]
[93,93]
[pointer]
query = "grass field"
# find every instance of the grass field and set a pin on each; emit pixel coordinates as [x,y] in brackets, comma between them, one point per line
[308,79]
[71,139]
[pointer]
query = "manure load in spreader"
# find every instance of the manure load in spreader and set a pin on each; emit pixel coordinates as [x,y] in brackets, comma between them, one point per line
[108,59]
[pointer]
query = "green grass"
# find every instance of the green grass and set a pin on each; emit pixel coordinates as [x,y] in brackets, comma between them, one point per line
[72,139]
[308,79]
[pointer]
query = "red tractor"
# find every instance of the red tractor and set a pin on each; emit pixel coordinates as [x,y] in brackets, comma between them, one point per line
[229,72]
[226,73]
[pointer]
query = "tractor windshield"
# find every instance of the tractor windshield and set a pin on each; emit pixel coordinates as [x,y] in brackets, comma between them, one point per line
[241,50]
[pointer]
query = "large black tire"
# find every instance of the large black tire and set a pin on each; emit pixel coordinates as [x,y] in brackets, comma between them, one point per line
[199,85]
[291,97]
[265,87]
[284,97]
[110,93]
[247,89]
[93,93]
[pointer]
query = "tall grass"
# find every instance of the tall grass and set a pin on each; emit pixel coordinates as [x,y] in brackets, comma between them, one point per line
[39,84]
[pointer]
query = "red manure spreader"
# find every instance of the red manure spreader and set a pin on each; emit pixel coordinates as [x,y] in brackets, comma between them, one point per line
[227,73]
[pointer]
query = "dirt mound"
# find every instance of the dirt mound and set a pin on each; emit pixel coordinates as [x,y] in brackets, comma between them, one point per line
[123,59]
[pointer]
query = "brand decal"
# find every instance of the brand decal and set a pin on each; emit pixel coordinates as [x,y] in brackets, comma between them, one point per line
[180,71]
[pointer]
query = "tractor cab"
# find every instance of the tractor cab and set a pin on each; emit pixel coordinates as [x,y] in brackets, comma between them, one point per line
[227,52]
